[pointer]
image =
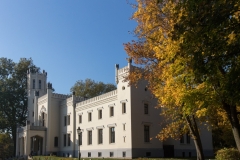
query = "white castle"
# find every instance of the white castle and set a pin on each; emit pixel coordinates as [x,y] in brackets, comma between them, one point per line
[120,124]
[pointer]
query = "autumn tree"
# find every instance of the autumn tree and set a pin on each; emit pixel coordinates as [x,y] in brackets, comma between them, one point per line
[194,44]
[170,79]
[90,88]
[209,33]
[13,95]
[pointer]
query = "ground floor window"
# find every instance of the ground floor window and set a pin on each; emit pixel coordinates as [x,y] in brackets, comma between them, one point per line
[111,154]
[124,154]
[146,134]
[89,137]
[112,135]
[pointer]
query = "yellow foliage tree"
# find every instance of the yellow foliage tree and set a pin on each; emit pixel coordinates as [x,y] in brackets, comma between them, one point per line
[170,77]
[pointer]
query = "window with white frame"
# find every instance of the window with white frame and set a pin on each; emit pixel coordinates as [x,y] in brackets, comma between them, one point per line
[80,118]
[68,119]
[100,114]
[146,133]
[111,111]
[90,116]
[80,139]
[69,139]
[89,137]
[146,111]
[100,136]
[112,134]
[123,107]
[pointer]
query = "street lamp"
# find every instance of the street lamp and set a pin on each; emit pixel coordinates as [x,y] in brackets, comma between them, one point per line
[79,132]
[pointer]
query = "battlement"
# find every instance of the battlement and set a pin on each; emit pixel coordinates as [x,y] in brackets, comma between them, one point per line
[123,70]
[36,71]
[60,96]
[101,97]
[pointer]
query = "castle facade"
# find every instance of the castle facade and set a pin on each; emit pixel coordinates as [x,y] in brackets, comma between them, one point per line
[122,123]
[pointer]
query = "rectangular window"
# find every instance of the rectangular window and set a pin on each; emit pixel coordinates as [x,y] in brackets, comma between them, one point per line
[124,139]
[112,135]
[100,136]
[188,138]
[182,139]
[33,114]
[89,116]
[89,137]
[69,139]
[39,84]
[124,154]
[43,120]
[145,108]
[33,83]
[148,154]
[68,119]
[99,114]
[123,107]
[89,154]
[65,120]
[80,139]
[111,111]
[55,141]
[146,134]
[64,140]
[99,154]
[80,118]
[124,128]
[111,154]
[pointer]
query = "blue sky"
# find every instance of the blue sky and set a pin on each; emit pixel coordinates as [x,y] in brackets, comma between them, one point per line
[70,39]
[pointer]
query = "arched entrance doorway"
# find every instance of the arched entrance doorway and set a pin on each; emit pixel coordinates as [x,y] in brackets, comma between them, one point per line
[37,145]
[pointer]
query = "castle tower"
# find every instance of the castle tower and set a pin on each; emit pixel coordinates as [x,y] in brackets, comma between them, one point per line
[36,82]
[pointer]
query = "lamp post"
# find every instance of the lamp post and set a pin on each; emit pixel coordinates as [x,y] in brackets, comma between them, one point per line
[79,131]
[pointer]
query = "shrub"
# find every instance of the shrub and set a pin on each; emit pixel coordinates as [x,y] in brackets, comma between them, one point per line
[228,153]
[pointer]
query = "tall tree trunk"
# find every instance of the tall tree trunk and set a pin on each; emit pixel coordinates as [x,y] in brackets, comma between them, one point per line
[14,138]
[234,121]
[195,136]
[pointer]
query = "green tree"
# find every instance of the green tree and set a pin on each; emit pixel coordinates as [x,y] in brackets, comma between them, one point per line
[13,94]
[6,146]
[209,33]
[89,88]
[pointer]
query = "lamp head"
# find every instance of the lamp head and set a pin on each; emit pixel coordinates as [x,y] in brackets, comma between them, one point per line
[79,130]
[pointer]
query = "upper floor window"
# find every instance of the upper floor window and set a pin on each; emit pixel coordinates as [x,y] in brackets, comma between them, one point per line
[39,84]
[89,116]
[146,134]
[188,138]
[68,119]
[33,83]
[80,118]
[182,139]
[100,114]
[111,111]
[112,135]
[145,108]
[65,120]
[123,107]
